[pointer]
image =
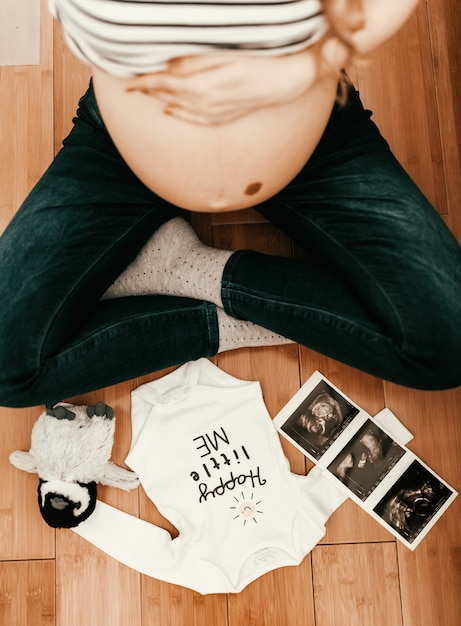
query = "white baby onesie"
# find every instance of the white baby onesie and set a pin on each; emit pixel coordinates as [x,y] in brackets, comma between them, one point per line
[207,453]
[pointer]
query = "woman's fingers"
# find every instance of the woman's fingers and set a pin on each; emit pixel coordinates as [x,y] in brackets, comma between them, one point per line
[150,83]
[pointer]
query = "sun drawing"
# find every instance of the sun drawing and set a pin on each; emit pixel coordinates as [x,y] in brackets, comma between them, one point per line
[246,508]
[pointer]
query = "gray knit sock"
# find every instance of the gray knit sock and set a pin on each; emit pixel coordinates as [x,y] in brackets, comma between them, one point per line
[174,262]
[234,333]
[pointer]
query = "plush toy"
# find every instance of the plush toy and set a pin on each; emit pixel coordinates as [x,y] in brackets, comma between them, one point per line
[70,451]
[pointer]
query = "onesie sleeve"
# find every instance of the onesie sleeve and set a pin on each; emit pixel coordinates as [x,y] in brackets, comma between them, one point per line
[148,549]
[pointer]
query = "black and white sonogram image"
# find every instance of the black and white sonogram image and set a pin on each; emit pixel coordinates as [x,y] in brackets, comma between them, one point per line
[319,419]
[413,501]
[365,461]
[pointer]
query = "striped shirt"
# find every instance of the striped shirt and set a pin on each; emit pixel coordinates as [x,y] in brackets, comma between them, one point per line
[130,37]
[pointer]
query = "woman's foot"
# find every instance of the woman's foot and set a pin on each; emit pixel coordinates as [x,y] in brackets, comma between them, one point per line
[174,262]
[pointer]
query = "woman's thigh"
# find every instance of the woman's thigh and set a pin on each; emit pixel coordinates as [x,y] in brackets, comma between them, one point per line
[355,208]
[81,225]
[380,264]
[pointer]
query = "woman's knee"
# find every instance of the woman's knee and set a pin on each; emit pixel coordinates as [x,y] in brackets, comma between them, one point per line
[20,350]
[432,360]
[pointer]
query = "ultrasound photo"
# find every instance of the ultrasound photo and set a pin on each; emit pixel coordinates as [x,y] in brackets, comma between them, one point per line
[413,501]
[365,461]
[319,420]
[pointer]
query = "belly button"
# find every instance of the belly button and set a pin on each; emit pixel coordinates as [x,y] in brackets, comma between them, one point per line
[253,188]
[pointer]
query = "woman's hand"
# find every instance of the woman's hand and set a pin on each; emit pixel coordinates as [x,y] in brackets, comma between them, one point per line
[382,19]
[217,89]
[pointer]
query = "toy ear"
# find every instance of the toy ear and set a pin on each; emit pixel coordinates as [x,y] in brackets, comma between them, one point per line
[101,409]
[23,461]
[60,413]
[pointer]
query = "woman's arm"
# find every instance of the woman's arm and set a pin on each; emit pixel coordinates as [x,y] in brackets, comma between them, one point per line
[382,20]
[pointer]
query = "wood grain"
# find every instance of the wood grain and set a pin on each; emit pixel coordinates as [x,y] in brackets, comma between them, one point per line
[171,605]
[92,588]
[26,145]
[445,30]
[356,585]
[27,593]
[283,596]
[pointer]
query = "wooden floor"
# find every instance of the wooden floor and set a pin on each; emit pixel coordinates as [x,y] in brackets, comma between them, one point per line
[358,575]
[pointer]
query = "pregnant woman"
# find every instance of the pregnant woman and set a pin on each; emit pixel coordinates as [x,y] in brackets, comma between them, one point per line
[215,107]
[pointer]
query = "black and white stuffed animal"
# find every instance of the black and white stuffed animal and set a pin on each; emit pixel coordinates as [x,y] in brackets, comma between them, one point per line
[70,451]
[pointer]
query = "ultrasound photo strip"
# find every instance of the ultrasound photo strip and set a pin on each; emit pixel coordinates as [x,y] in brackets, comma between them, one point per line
[367,458]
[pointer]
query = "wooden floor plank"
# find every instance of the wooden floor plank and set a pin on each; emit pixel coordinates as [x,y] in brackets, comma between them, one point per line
[27,591]
[356,585]
[431,575]
[445,29]
[281,597]
[247,216]
[82,569]
[398,86]
[92,588]
[26,123]
[170,605]
[23,533]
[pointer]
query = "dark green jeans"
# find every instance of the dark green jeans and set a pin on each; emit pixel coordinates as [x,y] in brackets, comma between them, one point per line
[379,289]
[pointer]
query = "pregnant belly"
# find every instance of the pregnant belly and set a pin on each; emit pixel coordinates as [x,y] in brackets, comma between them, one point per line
[214,168]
